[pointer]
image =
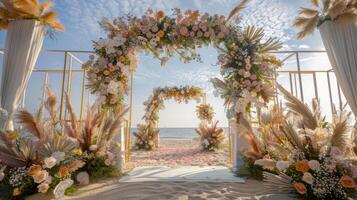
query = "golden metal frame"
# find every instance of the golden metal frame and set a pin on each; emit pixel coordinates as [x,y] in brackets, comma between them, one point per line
[291,74]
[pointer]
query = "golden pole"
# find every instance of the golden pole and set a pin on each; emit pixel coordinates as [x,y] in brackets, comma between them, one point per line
[69,83]
[130,112]
[82,97]
[230,144]
[63,82]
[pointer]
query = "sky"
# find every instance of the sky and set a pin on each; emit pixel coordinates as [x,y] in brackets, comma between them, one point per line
[80,18]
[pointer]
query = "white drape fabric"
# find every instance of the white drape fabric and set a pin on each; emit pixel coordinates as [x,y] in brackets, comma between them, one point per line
[23,44]
[340,41]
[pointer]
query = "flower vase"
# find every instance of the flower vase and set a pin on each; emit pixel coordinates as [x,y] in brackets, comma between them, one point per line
[23,44]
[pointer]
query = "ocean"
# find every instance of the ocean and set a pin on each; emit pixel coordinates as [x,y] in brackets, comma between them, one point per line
[178,133]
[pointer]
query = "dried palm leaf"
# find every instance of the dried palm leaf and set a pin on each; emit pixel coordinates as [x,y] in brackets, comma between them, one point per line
[326,5]
[238,9]
[315,3]
[308,12]
[337,8]
[272,44]
[292,136]
[309,28]
[247,135]
[280,183]
[300,109]
[45,6]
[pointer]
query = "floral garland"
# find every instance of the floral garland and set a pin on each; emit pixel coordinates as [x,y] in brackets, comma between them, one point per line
[242,59]
[205,112]
[148,133]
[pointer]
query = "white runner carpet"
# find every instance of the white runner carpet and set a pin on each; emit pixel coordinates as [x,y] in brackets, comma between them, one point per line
[186,173]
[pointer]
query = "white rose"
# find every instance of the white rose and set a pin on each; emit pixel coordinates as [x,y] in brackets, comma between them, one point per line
[314,164]
[83,178]
[308,178]
[93,147]
[107,162]
[266,163]
[282,165]
[59,156]
[50,162]
[62,187]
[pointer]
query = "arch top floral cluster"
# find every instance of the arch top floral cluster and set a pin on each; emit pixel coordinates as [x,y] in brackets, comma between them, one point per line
[180,33]
[158,33]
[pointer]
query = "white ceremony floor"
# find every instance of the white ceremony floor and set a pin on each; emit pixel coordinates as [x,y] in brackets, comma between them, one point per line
[185,173]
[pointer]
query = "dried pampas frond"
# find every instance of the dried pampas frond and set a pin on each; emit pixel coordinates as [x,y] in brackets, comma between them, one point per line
[343,11]
[340,129]
[29,123]
[238,9]
[299,108]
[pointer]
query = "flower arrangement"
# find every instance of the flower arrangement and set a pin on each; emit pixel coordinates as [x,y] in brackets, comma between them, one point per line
[25,9]
[211,137]
[148,133]
[302,153]
[344,11]
[47,155]
[181,33]
[205,112]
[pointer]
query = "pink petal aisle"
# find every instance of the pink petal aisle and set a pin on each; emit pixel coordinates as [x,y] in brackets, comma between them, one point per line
[174,153]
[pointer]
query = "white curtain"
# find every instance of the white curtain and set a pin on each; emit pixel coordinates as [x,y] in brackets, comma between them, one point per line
[340,41]
[23,44]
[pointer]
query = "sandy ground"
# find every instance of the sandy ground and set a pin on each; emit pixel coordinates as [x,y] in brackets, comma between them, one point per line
[113,190]
[173,153]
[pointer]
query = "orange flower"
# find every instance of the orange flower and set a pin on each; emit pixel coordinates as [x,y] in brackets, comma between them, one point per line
[160,34]
[63,171]
[302,166]
[347,182]
[34,170]
[122,59]
[300,188]
[106,72]
[160,14]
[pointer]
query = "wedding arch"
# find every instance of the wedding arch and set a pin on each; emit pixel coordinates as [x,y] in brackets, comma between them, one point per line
[246,66]
[147,136]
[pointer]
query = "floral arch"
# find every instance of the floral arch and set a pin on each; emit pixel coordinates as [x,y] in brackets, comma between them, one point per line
[246,67]
[148,134]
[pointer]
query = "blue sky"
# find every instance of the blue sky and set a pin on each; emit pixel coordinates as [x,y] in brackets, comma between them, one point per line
[81,17]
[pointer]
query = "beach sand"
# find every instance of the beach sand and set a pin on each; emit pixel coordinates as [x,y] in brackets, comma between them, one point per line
[174,153]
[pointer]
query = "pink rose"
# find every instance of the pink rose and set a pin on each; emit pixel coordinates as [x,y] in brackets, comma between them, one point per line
[258,88]
[253,77]
[220,35]
[336,152]
[155,29]
[43,187]
[314,164]
[195,28]
[183,30]
[207,34]
[192,34]
[247,82]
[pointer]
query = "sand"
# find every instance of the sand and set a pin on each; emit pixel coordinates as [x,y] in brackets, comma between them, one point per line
[174,153]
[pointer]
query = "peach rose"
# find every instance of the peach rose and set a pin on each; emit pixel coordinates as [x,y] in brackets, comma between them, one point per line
[41,176]
[302,166]
[308,178]
[43,187]
[160,14]
[300,188]
[34,170]
[347,182]
[160,34]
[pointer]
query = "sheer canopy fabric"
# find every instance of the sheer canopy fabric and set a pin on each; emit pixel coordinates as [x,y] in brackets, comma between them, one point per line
[23,44]
[340,41]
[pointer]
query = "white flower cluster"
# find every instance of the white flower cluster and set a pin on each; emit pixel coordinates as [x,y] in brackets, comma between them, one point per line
[16,176]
